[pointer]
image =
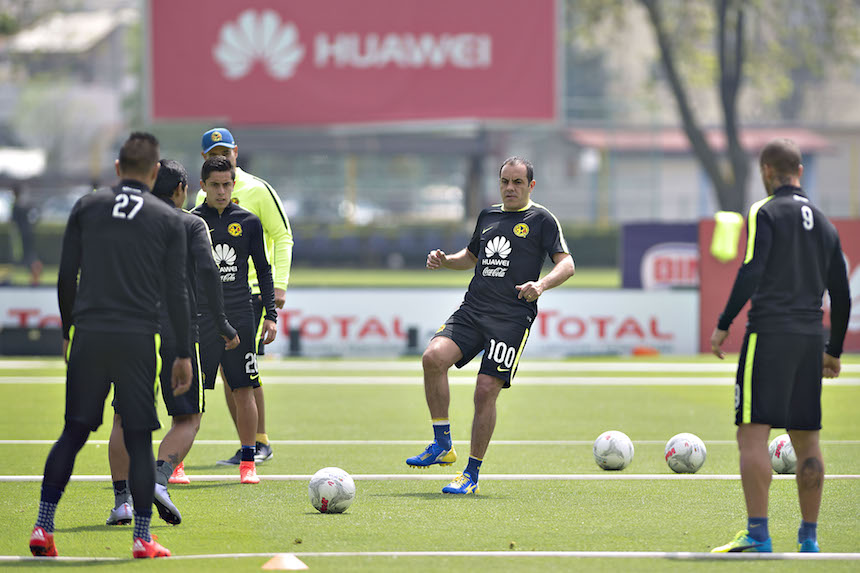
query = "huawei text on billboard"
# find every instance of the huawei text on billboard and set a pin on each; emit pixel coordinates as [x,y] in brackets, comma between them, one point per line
[283,62]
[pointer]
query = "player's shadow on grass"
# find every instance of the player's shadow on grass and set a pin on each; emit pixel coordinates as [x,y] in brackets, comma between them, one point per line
[47,562]
[200,467]
[175,489]
[98,526]
[435,495]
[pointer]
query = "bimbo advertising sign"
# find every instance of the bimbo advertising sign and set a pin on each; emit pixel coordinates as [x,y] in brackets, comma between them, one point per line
[283,62]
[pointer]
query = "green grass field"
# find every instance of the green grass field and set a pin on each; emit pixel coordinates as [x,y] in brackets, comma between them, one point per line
[541,490]
[311,277]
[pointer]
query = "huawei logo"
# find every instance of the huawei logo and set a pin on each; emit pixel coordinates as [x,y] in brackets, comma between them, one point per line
[498,245]
[224,254]
[255,37]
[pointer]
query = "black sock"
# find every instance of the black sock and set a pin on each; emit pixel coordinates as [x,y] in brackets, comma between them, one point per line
[141,470]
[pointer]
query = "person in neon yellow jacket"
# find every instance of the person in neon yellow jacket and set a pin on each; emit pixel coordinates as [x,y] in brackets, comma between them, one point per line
[258,197]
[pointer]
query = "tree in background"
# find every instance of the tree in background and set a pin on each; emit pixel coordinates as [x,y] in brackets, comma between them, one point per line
[780,47]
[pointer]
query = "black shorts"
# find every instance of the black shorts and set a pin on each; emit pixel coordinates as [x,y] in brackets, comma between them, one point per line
[502,342]
[191,402]
[128,360]
[239,364]
[259,316]
[779,381]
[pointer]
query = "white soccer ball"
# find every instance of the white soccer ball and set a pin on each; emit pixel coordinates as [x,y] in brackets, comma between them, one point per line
[782,456]
[331,490]
[613,450]
[685,453]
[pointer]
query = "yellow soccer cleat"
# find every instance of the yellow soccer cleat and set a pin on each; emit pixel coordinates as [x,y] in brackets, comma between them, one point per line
[743,542]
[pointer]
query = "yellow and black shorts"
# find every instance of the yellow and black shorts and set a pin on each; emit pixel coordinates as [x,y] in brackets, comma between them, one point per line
[191,402]
[502,342]
[779,381]
[128,360]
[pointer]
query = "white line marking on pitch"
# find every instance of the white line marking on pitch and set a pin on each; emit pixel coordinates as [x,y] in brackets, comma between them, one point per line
[462,381]
[446,477]
[411,442]
[671,555]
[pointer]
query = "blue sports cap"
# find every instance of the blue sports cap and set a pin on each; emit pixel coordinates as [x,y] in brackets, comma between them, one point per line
[218,136]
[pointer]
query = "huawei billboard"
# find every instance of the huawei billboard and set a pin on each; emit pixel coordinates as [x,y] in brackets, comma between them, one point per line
[286,62]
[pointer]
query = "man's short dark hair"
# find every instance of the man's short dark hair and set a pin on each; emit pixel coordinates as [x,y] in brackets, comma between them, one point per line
[139,154]
[217,163]
[516,160]
[171,174]
[783,156]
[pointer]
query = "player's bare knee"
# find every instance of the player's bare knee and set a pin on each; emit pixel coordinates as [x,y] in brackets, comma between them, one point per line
[191,421]
[487,389]
[810,474]
[434,361]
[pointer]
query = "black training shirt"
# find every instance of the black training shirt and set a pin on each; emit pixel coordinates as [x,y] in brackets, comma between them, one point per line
[129,247]
[511,247]
[236,235]
[793,255]
[200,270]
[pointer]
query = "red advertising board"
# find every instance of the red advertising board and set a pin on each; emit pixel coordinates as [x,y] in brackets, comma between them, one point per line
[292,62]
[716,280]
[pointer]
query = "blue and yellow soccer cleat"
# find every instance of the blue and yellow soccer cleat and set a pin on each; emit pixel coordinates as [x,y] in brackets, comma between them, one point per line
[743,542]
[808,546]
[462,484]
[433,454]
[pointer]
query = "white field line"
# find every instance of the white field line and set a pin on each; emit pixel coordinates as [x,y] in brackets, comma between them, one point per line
[670,555]
[446,477]
[409,442]
[288,364]
[561,380]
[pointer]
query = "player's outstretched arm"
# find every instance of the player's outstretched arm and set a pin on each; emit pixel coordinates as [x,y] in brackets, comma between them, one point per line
[461,261]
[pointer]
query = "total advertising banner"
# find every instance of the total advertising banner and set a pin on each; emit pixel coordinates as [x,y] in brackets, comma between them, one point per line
[290,62]
[717,279]
[376,322]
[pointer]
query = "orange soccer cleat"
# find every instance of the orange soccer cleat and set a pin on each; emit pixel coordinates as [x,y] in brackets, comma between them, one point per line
[42,543]
[178,475]
[142,549]
[248,473]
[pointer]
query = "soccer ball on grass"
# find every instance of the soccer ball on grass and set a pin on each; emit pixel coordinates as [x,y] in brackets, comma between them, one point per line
[613,450]
[782,456]
[331,490]
[685,453]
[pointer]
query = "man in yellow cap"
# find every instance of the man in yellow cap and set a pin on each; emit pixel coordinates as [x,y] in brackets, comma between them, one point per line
[257,196]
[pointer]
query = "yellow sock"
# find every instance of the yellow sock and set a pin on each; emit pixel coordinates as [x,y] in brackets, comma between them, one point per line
[263,438]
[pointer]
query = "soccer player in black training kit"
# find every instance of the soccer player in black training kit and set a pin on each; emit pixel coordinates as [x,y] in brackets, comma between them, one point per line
[186,410]
[507,250]
[236,234]
[129,248]
[793,255]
